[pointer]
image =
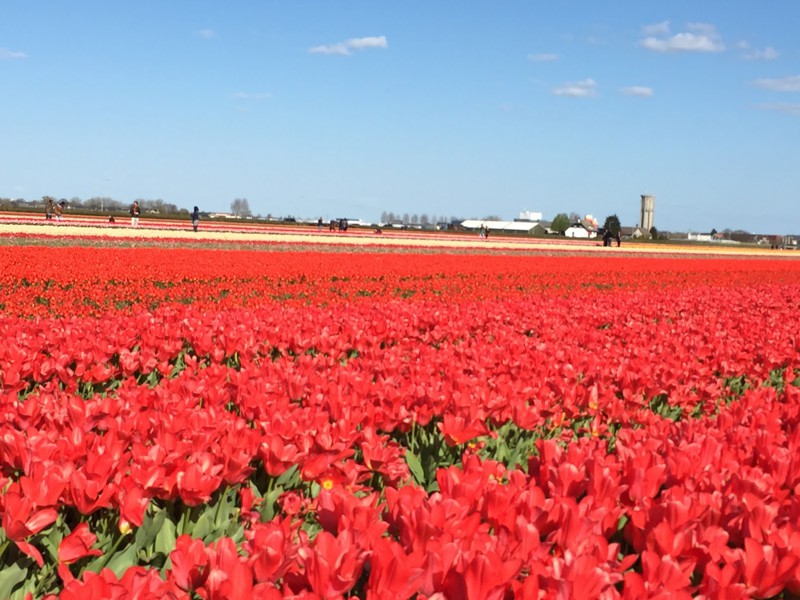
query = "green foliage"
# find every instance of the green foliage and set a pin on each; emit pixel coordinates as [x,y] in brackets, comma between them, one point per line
[778,380]
[426,452]
[560,223]
[511,445]
[11,575]
[612,224]
[737,385]
[660,405]
[268,489]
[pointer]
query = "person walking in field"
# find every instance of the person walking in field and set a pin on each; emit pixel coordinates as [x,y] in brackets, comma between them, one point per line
[49,209]
[60,210]
[195,218]
[135,213]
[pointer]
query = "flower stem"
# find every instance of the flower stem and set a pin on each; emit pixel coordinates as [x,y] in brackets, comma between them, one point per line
[107,556]
[46,572]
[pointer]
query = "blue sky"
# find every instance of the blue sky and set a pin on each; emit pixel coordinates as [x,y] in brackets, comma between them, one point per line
[351,108]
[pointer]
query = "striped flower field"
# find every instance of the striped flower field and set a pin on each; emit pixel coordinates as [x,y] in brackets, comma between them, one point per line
[188,421]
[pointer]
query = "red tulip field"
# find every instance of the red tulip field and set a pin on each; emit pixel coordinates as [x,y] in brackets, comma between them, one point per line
[196,422]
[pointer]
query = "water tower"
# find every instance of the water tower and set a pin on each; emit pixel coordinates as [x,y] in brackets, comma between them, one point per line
[647,211]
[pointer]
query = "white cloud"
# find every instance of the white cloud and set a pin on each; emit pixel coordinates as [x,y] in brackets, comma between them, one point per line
[346,48]
[543,57]
[339,49]
[206,33]
[639,91]
[6,54]
[656,29]
[768,53]
[702,37]
[584,88]
[367,42]
[252,95]
[782,84]
[788,108]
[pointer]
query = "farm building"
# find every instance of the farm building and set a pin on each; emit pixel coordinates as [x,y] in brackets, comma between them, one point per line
[632,232]
[519,227]
[581,229]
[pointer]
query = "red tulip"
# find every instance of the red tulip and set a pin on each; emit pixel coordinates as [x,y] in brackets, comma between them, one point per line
[332,564]
[270,549]
[393,573]
[190,563]
[766,572]
[77,545]
[21,518]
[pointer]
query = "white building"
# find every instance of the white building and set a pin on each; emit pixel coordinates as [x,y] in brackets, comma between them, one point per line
[581,230]
[508,226]
[700,237]
[529,215]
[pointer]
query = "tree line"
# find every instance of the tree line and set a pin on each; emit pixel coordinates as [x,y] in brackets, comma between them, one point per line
[94,204]
[415,218]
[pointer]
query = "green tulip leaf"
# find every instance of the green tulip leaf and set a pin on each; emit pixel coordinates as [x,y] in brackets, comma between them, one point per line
[165,538]
[11,576]
[123,560]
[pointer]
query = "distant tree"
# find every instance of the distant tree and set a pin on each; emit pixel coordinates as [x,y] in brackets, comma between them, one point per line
[158,206]
[653,232]
[612,224]
[415,218]
[574,217]
[384,217]
[424,219]
[713,232]
[560,223]
[406,218]
[241,208]
[95,203]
